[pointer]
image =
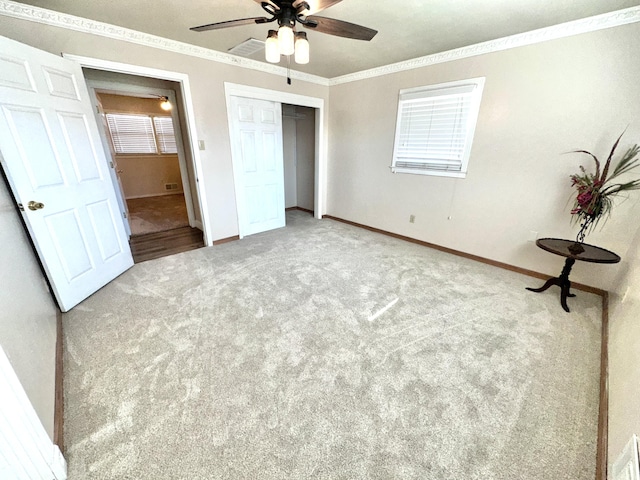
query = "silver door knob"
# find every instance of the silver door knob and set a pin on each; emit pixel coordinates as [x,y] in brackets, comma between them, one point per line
[35,205]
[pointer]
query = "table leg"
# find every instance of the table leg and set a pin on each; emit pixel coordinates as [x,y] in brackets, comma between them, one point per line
[562,281]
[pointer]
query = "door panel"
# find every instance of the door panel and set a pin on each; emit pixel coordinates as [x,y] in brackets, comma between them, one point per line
[32,138]
[61,84]
[271,200]
[249,161]
[270,153]
[82,152]
[256,130]
[51,154]
[15,73]
[65,231]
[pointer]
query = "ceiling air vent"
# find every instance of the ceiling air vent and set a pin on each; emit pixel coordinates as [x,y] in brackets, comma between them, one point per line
[247,48]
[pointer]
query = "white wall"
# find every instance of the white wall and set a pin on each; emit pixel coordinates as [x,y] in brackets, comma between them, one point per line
[27,313]
[539,101]
[289,158]
[305,156]
[146,175]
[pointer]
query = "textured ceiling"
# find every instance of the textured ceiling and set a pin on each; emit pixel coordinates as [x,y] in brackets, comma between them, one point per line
[407,29]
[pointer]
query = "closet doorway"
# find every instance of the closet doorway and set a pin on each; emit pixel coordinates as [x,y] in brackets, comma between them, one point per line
[298,145]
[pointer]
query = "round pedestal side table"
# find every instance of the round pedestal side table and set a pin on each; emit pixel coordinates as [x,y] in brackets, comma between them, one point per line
[572,251]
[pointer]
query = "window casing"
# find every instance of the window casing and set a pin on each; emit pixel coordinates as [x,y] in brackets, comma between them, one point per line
[141,134]
[435,127]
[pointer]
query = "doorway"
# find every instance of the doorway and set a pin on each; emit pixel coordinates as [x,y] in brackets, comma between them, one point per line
[152,171]
[298,140]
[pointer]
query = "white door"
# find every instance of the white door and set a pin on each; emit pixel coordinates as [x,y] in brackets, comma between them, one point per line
[26,451]
[51,153]
[256,137]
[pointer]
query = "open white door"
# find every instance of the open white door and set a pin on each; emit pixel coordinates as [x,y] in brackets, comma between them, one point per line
[26,451]
[52,156]
[256,137]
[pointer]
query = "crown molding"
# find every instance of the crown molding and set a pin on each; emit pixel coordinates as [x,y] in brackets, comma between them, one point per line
[21,11]
[568,29]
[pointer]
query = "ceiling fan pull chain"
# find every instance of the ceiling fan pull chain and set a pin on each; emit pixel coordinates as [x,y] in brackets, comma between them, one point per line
[288,70]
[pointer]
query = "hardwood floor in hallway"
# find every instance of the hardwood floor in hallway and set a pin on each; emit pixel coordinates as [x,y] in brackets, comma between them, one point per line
[161,244]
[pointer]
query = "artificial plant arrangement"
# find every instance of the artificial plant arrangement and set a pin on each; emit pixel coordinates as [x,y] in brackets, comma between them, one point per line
[597,191]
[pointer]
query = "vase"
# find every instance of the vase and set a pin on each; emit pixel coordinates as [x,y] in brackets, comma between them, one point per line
[585,225]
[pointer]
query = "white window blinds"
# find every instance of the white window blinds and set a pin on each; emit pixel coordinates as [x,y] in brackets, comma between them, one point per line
[435,128]
[131,133]
[141,134]
[164,134]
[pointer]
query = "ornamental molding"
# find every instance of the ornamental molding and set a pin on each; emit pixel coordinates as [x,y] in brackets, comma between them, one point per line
[568,29]
[21,11]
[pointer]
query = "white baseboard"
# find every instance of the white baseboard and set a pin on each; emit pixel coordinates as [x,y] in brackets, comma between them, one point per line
[154,195]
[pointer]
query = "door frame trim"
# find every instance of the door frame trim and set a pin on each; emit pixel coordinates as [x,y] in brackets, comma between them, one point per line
[190,120]
[320,181]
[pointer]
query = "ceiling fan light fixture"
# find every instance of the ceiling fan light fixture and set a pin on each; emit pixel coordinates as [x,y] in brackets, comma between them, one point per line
[301,48]
[286,40]
[272,48]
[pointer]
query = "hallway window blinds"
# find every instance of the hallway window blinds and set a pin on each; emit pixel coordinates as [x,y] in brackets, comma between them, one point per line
[164,134]
[435,126]
[141,134]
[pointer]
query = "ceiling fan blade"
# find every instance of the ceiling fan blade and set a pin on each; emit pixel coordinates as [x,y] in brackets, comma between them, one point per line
[315,6]
[341,28]
[230,23]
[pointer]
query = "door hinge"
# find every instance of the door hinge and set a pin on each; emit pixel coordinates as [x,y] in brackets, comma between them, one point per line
[124,214]
[111,165]
[21,207]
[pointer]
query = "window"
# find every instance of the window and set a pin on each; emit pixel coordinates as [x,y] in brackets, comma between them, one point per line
[141,134]
[164,134]
[435,126]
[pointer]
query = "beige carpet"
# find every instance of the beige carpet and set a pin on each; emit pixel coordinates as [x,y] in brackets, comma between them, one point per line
[157,214]
[323,351]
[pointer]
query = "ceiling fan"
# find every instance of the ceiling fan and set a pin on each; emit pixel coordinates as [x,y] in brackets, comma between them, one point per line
[286,41]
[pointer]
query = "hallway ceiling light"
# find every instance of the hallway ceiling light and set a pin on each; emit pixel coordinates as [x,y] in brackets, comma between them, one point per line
[165,104]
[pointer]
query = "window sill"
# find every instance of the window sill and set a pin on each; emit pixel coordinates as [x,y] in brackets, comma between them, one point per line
[434,173]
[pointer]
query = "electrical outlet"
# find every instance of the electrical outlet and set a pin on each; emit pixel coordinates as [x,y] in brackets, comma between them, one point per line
[201,144]
[412,219]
